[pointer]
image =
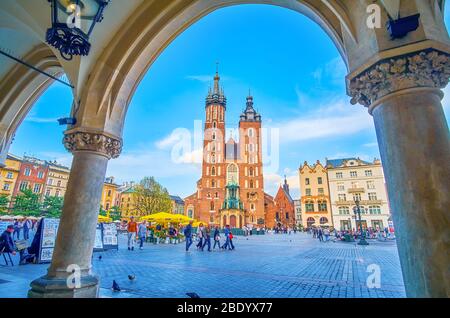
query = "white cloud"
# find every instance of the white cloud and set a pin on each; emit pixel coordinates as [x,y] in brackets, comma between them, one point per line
[336,118]
[200,78]
[371,144]
[62,158]
[41,120]
[335,70]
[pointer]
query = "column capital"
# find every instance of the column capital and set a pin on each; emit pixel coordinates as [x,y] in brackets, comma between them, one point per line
[100,142]
[429,68]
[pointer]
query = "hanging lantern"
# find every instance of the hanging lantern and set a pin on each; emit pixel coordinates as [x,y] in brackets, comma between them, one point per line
[72,24]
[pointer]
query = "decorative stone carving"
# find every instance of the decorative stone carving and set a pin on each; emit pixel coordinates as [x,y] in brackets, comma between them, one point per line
[429,68]
[91,141]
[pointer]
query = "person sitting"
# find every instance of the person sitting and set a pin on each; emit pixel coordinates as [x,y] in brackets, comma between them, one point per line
[7,244]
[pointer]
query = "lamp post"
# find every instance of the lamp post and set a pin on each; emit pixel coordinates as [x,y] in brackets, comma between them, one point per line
[66,33]
[357,211]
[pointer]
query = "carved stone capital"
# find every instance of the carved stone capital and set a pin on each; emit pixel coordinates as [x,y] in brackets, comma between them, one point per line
[429,68]
[93,141]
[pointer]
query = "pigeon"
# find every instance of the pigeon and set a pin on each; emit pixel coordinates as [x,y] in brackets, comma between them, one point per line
[115,286]
[100,258]
[192,295]
[131,277]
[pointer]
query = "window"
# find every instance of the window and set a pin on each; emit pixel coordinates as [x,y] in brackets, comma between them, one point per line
[374,209]
[211,207]
[109,191]
[251,184]
[339,175]
[341,187]
[213,171]
[217,194]
[190,213]
[342,197]
[40,174]
[57,194]
[287,216]
[214,136]
[37,188]
[251,172]
[107,206]
[320,190]
[307,181]
[47,193]
[357,197]
[344,210]
[27,172]
[250,147]
[252,206]
[213,184]
[59,183]
[214,124]
[309,206]
[353,174]
[322,206]
[368,173]
[308,192]
[50,182]
[23,185]
[370,185]
[208,195]
[9,175]
[319,180]
[6,187]
[372,196]
[323,220]
[250,132]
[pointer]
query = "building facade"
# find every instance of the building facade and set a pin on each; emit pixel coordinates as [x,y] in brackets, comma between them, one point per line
[110,194]
[57,179]
[177,204]
[281,211]
[9,175]
[315,197]
[32,175]
[231,188]
[298,212]
[351,179]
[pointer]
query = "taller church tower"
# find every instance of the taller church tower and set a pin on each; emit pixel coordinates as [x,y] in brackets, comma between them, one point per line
[251,174]
[211,185]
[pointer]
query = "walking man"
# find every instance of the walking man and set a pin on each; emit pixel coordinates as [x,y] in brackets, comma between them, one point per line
[132,229]
[142,234]
[26,228]
[207,238]
[188,235]
[216,237]
[320,234]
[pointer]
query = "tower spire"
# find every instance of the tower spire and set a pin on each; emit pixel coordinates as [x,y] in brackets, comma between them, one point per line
[216,81]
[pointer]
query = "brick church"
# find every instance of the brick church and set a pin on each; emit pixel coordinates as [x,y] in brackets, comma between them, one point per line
[231,188]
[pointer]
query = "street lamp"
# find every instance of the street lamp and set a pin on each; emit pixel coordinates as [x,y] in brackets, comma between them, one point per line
[67,34]
[357,211]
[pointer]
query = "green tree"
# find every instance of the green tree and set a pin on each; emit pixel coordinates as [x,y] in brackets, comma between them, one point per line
[4,202]
[52,205]
[115,213]
[151,197]
[27,203]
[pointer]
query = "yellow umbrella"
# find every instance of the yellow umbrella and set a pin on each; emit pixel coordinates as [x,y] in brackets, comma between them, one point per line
[159,217]
[104,219]
[181,218]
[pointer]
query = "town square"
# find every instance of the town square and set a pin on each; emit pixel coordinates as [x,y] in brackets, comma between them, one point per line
[224,149]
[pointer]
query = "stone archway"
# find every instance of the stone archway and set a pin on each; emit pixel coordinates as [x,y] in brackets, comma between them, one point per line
[398,80]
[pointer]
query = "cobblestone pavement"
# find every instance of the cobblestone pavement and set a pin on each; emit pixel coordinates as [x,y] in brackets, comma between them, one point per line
[261,266]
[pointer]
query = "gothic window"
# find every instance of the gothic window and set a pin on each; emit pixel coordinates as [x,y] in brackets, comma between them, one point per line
[251,132]
[251,184]
[212,206]
[213,184]
[213,171]
[214,124]
[232,173]
[217,194]
[214,136]
[251,172]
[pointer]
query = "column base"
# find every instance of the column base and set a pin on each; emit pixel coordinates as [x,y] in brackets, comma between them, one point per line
[51,287]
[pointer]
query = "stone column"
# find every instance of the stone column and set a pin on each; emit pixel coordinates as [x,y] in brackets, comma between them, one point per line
[403,95]
[76,233]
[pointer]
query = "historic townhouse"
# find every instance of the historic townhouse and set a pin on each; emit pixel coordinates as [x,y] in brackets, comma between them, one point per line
[280,211]
[351,179]
[57,179]
[9,175]
[33,176]
[315,197]
[110,194]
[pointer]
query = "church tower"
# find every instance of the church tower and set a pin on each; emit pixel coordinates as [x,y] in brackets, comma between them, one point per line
[251,174]
[211,188]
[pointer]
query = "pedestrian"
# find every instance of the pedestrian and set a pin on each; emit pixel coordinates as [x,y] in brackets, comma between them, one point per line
[142,234]
[207,238]
[188,235]
[216,237]
[226,233]
[320,234]
[26,228]
[326,232]
[132,229]
[200,235]
[17,227]
[231,240]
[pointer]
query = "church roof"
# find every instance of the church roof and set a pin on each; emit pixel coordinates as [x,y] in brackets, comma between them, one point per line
[250,113]
[336,163]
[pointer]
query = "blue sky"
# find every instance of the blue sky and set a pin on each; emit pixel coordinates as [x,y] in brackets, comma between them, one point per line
[295,74]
